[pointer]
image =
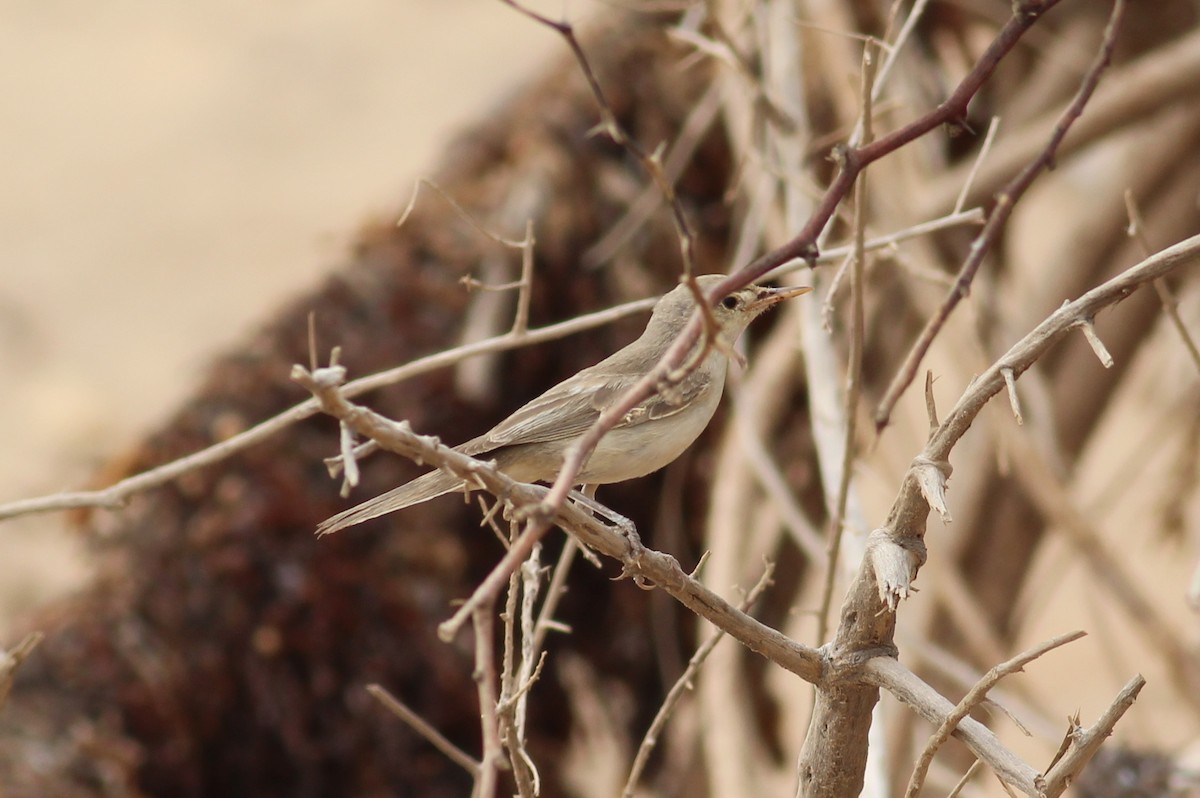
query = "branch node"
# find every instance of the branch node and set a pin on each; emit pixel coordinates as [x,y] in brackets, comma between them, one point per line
[1102,353]
[930,403]
[349,461]
[1014,401]
[895,563]
[931,476]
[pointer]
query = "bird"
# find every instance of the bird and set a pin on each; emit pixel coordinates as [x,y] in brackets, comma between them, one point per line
[530,444]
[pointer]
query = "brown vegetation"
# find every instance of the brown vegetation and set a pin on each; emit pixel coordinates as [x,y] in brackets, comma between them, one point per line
[224,650]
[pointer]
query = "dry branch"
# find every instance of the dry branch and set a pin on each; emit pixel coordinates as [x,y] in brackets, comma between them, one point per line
[972,699]
[211,546]
[1005,201]
[655,568]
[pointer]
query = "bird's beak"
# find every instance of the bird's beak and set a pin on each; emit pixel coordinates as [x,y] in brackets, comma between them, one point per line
[770,297]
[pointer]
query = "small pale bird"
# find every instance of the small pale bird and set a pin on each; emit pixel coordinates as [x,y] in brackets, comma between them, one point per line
[529,445]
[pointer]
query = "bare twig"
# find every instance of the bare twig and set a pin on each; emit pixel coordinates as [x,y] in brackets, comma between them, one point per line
[651,162]
[1137,231]
[894,49]
[857,329]
[554,593]
[1005,202]
[1085,743]
[680,154]
[683,684]
[423,728]
[115,495]
[839,253]
[984,149]
[484,674]
[650,566]
[803,245]
[463,213]
[11,659]
[966,778]
[972,699]
[870,622]
[521,318]
[934,708]
[487,591]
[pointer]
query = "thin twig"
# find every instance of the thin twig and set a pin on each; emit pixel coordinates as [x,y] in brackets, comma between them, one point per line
[683,684]
[972,699]
[650,566]
[896,47]
[854,366]
[1137,231]
[931,705]
[966,778]
[485,681]
[1005,202]
[984,149]
[691,135]
[487,591]
[651,162]
[1084,744]
[462,212]
[521,319]
[423,728]
[554,593]
[803,245]
[115,495]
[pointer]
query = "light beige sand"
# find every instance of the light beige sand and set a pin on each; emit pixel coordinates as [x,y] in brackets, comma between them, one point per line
[171,172]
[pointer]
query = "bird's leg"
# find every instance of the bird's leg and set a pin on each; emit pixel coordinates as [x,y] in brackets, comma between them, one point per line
[585,498]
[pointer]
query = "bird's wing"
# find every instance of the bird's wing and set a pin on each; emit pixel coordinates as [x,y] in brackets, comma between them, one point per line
[570,408]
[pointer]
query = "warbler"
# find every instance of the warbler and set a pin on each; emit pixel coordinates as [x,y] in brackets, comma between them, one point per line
[529,445]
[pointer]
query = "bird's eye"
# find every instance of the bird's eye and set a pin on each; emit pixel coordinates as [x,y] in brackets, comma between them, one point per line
[731,302]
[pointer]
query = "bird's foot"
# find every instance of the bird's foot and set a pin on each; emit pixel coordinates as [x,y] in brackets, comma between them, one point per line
[623,525]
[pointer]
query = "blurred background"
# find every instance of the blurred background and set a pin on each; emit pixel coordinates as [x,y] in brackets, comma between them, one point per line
[172,171]
[173,174]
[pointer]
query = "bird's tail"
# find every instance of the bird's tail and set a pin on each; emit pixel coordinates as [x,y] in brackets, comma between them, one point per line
[421,489]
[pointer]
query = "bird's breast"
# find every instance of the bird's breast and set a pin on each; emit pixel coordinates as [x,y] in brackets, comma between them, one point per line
[634,451]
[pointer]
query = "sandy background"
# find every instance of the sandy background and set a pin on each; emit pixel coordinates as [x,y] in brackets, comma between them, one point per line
[171,171]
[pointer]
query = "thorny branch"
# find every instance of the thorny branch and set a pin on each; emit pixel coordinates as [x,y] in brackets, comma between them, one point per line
[804,244]
[906,522]
[833,756]
[1006,200]
[653,567]
[683,684]
[975,696]
[908,512]
[907,518]
[115,495]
